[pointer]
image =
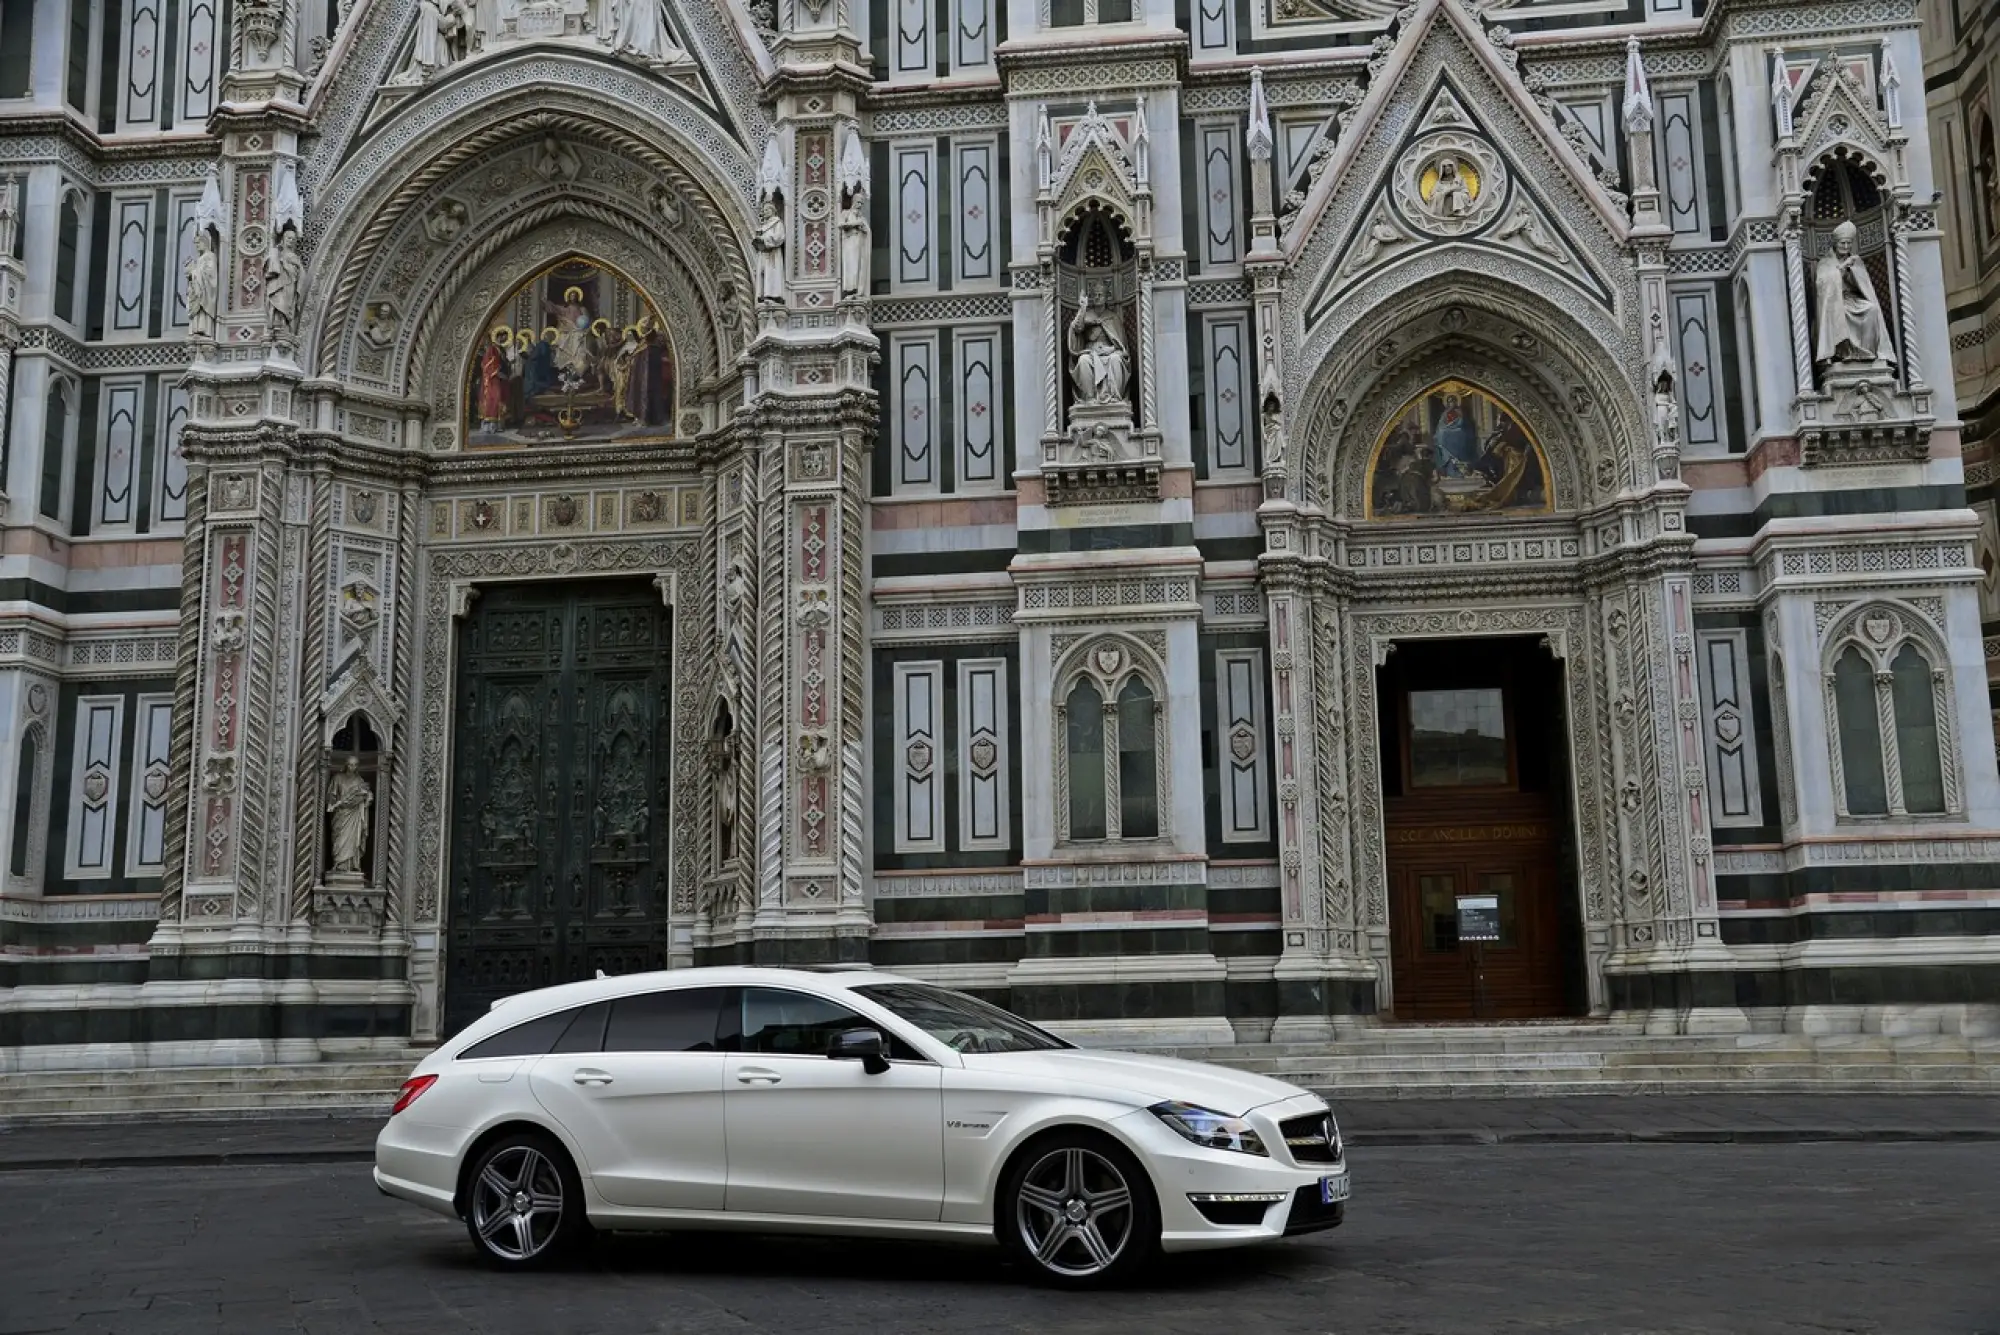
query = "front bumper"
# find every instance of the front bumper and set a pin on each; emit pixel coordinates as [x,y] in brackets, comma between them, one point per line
[1182,1171]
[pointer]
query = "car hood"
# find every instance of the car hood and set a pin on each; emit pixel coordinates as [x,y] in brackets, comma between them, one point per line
[1144,1079]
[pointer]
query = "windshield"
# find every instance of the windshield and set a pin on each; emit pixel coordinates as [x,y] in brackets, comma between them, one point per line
[965,1023]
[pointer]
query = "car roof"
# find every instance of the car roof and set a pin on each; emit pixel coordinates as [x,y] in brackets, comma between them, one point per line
[738,975]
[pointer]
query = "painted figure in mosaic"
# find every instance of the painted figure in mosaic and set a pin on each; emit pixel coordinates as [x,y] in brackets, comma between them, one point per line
[493,379]
[201,287]
[538,374]
[283,273]
[348,801]
[1850,318]
[572,319]
[1100,365]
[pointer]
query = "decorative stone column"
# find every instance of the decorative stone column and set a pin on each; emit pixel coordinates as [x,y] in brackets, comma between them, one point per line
[806,437]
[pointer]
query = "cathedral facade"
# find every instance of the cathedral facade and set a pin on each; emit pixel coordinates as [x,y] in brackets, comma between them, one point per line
[1207,521]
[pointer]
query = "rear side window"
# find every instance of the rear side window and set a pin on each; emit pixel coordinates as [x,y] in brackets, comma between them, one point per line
[586,1032]
[531,1039]
[680,1020]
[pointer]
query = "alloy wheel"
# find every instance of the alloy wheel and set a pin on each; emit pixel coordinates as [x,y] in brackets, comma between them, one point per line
[517,1203]
[1075,1212]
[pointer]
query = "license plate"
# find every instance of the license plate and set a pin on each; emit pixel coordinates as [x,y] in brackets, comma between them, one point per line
[1333,1189]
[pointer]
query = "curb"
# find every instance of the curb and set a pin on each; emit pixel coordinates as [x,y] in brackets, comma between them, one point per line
[1469,1136]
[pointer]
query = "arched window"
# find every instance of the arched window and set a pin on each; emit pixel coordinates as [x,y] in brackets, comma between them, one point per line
[24,807]
[1086,762]
[1986,183]
[1890,709]
[1916,731]
[1860,738]
[55,447]
[69,236]
[1138,767]
[1109,776]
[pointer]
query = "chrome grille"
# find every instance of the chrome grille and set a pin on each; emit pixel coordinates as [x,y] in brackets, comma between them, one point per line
[1313,1138]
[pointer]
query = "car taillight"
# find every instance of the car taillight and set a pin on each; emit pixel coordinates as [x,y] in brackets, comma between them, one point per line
[413,1089]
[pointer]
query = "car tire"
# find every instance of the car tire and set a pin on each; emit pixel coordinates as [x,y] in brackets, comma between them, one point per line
[1078,1211]
[524,1202]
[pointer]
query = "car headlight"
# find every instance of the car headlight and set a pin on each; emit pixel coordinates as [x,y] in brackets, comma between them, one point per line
[1210,1129]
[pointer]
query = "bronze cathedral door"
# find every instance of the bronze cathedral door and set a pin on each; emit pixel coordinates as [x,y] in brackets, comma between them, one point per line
[559,791]
[1483,917]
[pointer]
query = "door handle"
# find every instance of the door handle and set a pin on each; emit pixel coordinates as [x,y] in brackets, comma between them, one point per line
[757,1075]
[590,1077]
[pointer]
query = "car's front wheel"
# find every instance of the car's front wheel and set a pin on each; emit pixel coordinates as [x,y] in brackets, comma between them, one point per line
[524,1202]
[1079,1211]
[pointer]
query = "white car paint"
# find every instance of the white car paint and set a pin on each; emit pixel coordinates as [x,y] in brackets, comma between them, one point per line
[818,1145]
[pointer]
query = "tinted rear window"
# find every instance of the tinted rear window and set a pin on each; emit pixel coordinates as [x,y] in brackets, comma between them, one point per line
[531,1039]
[680,1020]
[586,1032]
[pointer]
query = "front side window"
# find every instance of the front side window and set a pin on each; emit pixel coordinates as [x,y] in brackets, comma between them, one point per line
[965,1023]
[779,1023]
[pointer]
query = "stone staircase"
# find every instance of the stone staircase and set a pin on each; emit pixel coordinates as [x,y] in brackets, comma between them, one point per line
[1560,1060]
[332,1088]
[1427,1062]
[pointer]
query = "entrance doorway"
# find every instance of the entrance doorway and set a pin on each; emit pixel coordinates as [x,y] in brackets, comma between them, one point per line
[559,791]
[1483,916]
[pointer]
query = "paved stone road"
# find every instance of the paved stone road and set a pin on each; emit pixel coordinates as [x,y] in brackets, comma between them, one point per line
[1749,1118]
[1571,1240]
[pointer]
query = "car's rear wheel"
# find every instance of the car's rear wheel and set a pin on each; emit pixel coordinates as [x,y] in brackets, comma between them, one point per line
[1078,1211]
[524,1202]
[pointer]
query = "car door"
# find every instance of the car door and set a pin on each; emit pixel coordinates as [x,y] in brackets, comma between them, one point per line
[642,1096]
[811,1135]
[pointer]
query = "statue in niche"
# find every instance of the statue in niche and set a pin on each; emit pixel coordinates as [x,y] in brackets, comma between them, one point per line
[770,244]
[1100,365]
[853,219]
[642,32]
[349,799]
[284,273]
[736,621]
[854,247]
[1849,324]
[202,287]
[441,32]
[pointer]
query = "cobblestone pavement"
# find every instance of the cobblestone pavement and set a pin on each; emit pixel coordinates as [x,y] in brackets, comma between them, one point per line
[1743,1118]
[1571,1240]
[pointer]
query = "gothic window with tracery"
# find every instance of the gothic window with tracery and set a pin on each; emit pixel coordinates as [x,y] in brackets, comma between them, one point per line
[1112,729]
[1889,701]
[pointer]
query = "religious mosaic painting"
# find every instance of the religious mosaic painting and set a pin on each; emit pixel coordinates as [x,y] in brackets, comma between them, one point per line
[1456,449]
[576,353]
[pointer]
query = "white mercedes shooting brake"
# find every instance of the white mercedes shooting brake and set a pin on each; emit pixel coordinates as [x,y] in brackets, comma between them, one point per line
[845,1102]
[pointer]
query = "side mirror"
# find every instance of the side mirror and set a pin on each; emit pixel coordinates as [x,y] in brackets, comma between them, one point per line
[863,1045]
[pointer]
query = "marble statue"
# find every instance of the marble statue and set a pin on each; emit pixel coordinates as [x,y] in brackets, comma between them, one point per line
[202,287]
[284,272]
[349,799]
[642,32]
[854,247]
[1849,325]
[1101,365]
[770,243]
